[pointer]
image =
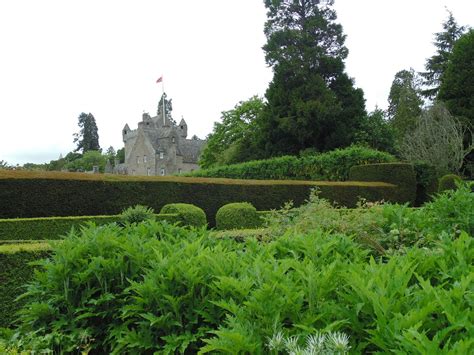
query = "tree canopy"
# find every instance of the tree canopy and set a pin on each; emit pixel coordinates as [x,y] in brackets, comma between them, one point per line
[437,64]
[457,88]
[312,103]
[405,103]
[88,136]
[232,140]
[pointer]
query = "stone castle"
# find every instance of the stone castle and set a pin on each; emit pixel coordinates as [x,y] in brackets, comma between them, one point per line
[159,147]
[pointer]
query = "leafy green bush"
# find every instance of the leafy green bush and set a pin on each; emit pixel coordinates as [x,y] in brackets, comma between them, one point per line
[188,215]
[332,166]
[238,215]
[448,182]
[137,214]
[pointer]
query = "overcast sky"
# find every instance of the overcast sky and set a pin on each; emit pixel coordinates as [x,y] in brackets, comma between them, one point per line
[60,58]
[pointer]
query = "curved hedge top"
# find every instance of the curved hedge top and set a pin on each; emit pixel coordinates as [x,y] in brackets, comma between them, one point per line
[333,166]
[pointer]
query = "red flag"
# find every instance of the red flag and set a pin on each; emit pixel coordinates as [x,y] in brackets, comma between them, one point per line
[160,79]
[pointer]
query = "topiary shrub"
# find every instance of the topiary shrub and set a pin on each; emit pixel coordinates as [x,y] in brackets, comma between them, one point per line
[188,214]
[238,215]
[137,214]
[448,182]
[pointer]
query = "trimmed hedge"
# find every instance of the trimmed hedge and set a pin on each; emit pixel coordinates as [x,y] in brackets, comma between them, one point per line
[48,194]
[448,182]
[331,166]
[400,174]
[51,228]
[237,215]
[188,214]
[15,272]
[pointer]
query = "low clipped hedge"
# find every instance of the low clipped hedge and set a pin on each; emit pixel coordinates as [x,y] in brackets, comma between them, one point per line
[32,194]
[331,166]
[51,228]
[400,174]
[15,272]
[448,182]
[238,215]
[188,214]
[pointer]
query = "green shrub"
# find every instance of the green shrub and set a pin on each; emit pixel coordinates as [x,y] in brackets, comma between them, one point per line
[238,215]
[400,174]
[188,215]
[332,166]
[448,182]
[15,272]
[137,214]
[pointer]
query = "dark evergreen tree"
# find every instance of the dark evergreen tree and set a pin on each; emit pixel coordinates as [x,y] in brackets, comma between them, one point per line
[457,89]
[168,107]
[312,103]
[88,137]
[438,63]
[405,103]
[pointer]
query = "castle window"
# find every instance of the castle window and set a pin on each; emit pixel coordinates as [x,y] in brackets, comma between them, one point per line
[124,132]
[162,172]
[138,160]
[148,171]
[162,155]
[173,140]
[144,158]
[179,171]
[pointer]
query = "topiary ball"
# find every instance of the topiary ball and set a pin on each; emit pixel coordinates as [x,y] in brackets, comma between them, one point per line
[238,215]
[188,215]
[448,182]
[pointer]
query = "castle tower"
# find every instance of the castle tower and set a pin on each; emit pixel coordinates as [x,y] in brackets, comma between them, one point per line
[183,128]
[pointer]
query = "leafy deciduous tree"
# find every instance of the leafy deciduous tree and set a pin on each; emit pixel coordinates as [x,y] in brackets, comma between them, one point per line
[376,132]
[232,139]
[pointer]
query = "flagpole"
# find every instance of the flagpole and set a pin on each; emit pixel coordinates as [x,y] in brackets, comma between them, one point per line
[163,97]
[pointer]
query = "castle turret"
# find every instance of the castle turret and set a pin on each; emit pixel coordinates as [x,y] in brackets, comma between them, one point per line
[183,128]
[125,131]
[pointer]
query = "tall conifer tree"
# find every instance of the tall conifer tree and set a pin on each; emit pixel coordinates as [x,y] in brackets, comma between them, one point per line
[312,102]
[88,137]
[438,63]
